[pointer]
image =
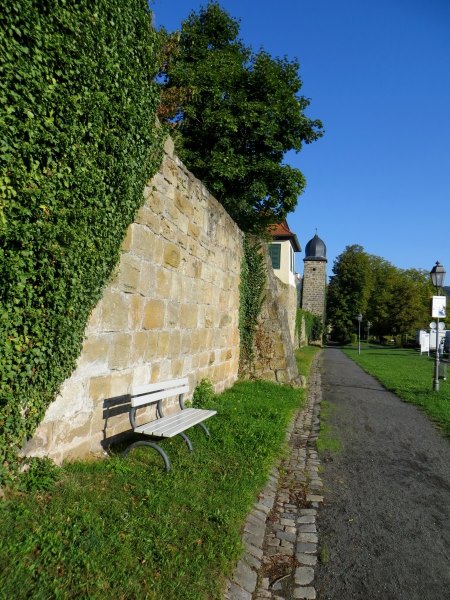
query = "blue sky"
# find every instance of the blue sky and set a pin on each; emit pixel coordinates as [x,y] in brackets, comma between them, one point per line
[378,76]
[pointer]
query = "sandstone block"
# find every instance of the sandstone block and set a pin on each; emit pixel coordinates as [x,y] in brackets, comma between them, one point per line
[94,356]
[120,383]
[114,308]
[163,283]
[99,388]
[144,347]
[66,433]
[178,368]
[127,279]
[197,342]
[141,374]
[172,315]
[154,313]
[147,281]
[169,170]
[163,344]
[136,312]
[194,230]
[185,342]
[119,355]
[188,316]
[171,256]
[143,242]
[183,203]
[174,344]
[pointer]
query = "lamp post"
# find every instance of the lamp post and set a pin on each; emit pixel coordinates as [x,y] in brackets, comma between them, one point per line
[359,332]
[437,275]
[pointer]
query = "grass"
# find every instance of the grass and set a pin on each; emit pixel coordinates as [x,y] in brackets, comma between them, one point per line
[327,442]
[409,376]
[304,357]
[124,529]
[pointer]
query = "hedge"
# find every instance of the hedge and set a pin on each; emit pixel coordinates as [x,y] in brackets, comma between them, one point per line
[78,142]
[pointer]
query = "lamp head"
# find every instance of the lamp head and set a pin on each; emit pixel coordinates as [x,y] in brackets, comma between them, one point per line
[437,275]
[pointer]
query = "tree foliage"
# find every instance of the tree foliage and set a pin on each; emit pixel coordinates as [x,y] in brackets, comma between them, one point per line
[349,290]
[236,114]
[395,301]
[78,141]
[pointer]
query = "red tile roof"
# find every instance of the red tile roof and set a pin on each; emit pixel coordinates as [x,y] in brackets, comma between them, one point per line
[281,231]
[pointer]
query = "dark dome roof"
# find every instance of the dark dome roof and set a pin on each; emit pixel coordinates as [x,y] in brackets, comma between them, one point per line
[315,249]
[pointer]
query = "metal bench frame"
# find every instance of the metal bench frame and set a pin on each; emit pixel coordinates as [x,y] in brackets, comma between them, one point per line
[165,426]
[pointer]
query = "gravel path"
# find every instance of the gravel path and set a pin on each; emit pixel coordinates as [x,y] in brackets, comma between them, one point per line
[384,528]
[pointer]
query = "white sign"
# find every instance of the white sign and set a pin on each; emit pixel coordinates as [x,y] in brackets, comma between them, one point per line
[438,306]
[424,342]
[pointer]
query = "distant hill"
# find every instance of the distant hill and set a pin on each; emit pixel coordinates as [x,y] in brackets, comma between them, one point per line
[446,289]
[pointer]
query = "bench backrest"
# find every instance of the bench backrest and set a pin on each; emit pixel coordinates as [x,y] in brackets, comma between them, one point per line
[149,393]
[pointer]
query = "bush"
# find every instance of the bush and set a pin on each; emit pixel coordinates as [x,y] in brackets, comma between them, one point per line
[203,394]
[79,141]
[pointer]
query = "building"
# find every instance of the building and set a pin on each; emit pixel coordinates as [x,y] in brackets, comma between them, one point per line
[282,251]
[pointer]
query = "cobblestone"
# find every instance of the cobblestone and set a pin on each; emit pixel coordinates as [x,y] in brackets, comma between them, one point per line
[280,534]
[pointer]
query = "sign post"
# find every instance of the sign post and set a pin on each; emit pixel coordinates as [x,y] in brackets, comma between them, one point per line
[438,311]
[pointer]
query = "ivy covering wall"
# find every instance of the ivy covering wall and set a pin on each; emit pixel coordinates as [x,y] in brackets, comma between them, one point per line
[308,325]
[78,142]
[253,280]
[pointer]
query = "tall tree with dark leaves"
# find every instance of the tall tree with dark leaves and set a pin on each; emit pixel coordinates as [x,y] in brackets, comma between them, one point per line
[349,290]
[236,113]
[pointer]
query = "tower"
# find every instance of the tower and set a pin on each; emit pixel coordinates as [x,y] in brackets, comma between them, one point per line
[314,277]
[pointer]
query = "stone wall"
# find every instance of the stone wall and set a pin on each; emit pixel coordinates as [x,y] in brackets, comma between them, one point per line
[170,310]
[274,358]
[289,298]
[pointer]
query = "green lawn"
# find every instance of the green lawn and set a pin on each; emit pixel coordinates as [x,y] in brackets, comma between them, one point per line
[410,376]
[124,529]
[304,357]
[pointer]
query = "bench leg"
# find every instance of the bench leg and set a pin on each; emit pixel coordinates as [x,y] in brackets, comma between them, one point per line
[206,430]
[152,445]
[187,440]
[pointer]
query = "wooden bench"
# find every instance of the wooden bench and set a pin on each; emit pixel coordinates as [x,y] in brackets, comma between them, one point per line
[168,426]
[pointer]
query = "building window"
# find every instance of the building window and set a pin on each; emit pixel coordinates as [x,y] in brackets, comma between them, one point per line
[292,260]
[275,255]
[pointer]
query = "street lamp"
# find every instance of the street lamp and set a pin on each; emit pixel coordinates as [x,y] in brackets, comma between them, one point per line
[359,332]
[437,275]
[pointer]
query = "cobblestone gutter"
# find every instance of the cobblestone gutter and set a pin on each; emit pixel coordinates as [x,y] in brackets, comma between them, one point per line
[280,535]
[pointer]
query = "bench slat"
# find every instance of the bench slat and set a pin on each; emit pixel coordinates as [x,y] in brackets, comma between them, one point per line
[149,398]
[154,387]
[174,424]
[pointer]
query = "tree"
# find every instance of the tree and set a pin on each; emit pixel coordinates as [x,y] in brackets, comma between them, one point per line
[395,301]
[378,312]
[235,114]
[409,306]
[349,290]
